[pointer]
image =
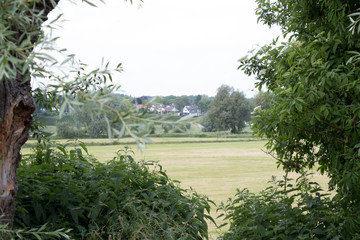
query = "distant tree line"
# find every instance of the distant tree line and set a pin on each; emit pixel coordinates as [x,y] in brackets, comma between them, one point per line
[202,101]
[229,110]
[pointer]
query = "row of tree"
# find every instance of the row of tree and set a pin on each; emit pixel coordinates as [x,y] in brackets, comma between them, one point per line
[228,110]
[201,101]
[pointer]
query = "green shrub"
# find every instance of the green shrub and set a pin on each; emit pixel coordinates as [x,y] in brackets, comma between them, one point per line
[65,128]
[166,127]
[98,128]
[120,199]
[303,212]
[67,131]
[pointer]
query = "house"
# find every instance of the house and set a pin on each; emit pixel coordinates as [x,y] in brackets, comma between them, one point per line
[191,109]
[157,108]
[172,109]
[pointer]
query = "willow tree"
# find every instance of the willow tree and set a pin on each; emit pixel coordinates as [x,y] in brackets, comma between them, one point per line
[314,118]
[21,23]
[20,31]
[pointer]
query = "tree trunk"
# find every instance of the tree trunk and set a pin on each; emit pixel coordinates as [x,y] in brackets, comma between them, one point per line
[15,120]
[16,102]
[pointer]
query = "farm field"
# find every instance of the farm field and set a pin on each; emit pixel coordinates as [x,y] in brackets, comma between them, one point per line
[213,169]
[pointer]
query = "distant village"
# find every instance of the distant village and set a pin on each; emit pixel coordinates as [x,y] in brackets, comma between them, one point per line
[187,110]
[171,109]
[158,108]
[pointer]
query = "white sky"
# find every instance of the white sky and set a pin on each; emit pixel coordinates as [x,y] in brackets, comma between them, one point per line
[167,47]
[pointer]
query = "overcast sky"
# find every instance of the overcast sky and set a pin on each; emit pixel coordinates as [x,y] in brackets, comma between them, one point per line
[167,47]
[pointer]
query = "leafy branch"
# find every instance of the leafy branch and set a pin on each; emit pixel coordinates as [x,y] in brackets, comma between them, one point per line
[355,23]
[37,233]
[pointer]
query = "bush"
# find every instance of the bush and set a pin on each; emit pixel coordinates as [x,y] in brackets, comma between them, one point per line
[303,212]
[66,128]
[98,128]
[166,127]
[67,131]
[120,199]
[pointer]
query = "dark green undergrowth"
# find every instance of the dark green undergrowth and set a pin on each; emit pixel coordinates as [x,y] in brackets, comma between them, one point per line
[120,199]
[301,211]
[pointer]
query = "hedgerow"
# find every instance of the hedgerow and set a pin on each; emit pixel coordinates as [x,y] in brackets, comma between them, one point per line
[119,199]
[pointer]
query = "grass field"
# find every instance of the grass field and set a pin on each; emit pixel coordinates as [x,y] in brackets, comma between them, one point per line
[213,169]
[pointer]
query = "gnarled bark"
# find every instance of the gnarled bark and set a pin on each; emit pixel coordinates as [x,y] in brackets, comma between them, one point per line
[16,107]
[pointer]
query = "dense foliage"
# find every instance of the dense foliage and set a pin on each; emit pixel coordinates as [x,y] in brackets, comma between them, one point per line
[120,199]
[285,211]
[314,115]
[20,23]
[311,119]
[262,100]
[228,111]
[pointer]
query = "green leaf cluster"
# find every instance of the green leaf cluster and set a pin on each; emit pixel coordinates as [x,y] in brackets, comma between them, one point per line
[120,199]
[33,233]
[287,211]
[20,32]
[314,116]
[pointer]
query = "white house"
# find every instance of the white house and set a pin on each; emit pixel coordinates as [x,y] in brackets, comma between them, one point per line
[191,109]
